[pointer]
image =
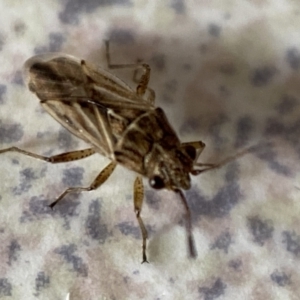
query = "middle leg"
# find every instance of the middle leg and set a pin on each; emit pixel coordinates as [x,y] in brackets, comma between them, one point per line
[100,179]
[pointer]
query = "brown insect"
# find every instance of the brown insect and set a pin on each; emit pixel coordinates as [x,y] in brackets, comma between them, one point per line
[118,122]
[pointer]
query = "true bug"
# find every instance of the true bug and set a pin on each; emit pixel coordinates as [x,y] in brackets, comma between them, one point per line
[119,123]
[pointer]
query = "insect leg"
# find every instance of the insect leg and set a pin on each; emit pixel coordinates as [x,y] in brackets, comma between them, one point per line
[142,81]
[151,96]
[207,167]
[198,146]
[100,179]
[63,157]
[138,202]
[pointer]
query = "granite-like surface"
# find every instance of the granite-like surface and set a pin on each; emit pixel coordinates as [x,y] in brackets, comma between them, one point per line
[225,72]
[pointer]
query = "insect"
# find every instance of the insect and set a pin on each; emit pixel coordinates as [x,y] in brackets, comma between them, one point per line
[118,122]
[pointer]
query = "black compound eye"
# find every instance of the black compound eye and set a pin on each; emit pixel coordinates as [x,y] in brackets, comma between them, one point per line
[157,182]
[190,151]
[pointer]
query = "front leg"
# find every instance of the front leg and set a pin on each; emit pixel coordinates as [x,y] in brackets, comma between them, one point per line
[193,149]
[207,167]
[138,203]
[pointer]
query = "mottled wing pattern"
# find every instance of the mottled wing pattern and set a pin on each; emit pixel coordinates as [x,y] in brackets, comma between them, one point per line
[90,102]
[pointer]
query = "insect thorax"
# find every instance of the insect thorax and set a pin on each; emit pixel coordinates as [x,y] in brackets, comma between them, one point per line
[150,147]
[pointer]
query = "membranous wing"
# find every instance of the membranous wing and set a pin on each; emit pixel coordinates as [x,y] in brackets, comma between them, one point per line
[90,102]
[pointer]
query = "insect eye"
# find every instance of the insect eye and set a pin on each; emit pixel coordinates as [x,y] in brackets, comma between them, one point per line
[157,182]
[190,151]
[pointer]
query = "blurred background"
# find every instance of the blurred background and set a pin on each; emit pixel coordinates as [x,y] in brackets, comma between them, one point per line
[226,73]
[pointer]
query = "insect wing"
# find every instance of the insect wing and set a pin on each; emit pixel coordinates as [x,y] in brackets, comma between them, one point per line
[90,102]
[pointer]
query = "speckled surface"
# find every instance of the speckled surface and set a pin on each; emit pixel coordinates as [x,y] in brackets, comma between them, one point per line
[225,72]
